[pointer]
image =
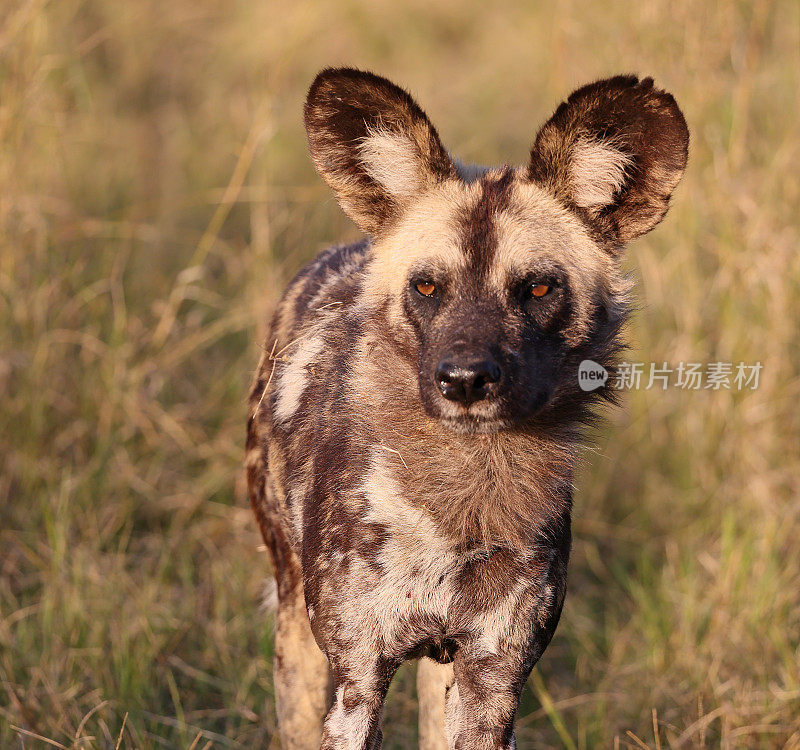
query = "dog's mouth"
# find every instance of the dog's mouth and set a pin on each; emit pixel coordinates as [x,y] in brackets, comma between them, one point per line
[481,417]
[487,417]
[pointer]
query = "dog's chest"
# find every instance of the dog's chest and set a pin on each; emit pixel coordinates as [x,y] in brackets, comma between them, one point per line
[394,582]
[418,585]
[416,566]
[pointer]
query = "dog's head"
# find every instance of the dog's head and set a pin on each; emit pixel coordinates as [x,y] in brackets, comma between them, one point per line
[500,281]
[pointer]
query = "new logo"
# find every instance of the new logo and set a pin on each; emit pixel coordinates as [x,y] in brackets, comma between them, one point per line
[591,376]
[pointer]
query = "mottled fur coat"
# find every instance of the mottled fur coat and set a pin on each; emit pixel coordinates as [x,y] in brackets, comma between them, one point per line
[415,418]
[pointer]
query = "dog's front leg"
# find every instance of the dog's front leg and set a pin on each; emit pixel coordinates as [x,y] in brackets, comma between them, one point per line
[483,701]
[354,721]
[507,639]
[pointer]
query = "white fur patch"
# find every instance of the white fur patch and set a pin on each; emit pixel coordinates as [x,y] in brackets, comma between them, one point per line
[496,624]
[269,596]
[349,728]
[294,500]
[294,377]
[597,173]
[393,161]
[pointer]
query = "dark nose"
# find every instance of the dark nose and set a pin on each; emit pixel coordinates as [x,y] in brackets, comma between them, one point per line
[467,380]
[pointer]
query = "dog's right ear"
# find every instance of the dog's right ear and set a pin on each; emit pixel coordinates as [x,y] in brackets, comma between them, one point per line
[614,152]
[372,144]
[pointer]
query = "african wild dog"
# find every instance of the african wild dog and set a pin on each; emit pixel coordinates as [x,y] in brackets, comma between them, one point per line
[415,419]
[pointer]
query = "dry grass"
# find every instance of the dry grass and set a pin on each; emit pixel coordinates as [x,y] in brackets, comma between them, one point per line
[155,194]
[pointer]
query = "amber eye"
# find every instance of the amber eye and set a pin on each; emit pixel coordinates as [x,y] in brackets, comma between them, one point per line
[539,290]
[425,288]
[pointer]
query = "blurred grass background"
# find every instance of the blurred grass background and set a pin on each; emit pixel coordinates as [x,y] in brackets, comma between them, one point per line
[155,195]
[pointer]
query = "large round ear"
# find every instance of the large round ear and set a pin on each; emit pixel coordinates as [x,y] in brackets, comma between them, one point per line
[614,152]
[372,144]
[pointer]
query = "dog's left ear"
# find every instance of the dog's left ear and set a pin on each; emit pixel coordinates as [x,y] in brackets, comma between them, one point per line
[614,152]
[371,142]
